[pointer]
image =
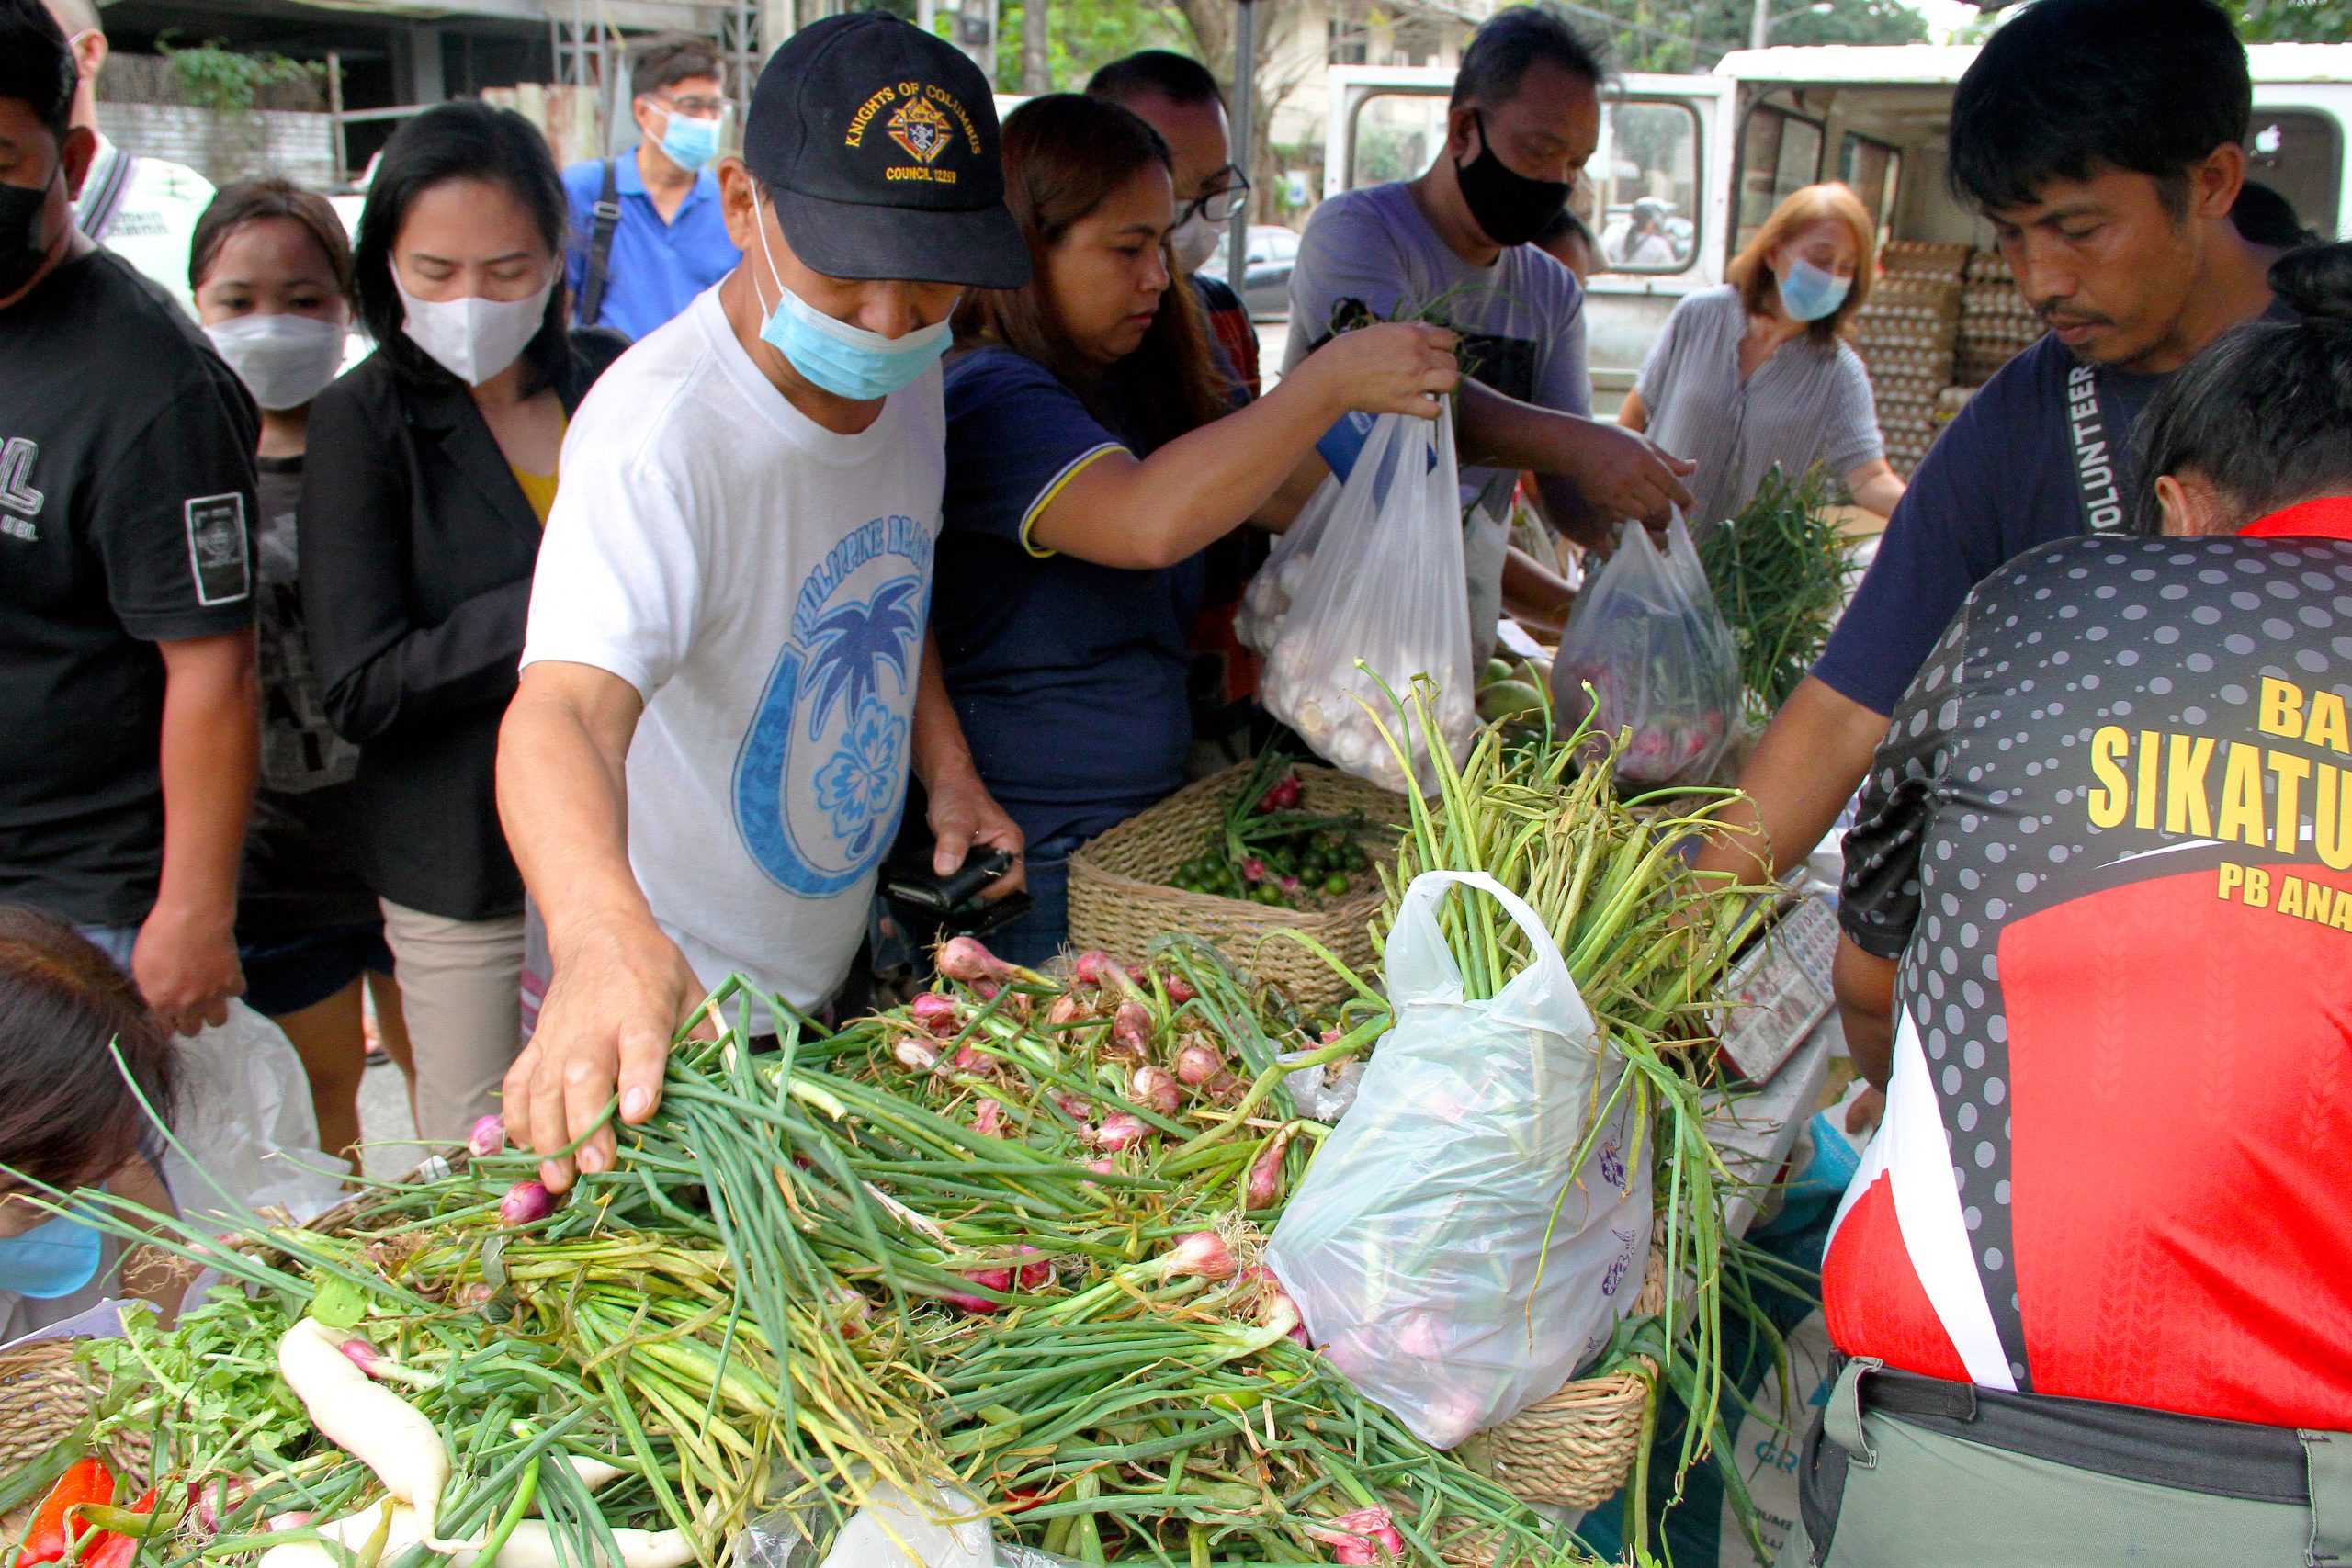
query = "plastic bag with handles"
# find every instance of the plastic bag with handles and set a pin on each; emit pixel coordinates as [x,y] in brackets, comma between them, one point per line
[1648,637]
[1384,585]
[1423,1247]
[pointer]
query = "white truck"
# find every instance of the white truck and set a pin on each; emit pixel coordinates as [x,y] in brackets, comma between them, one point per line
[1705,159]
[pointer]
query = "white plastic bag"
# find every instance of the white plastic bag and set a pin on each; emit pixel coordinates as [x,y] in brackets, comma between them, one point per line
[241,1108]
[1415,1246]
[1258,623]
[1385,586]
[1648,637]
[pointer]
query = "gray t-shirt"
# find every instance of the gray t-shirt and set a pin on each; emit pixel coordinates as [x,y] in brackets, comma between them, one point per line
[1370,253]
[1809,404]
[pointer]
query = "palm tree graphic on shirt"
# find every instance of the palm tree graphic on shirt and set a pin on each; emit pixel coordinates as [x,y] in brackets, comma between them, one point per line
[846,650]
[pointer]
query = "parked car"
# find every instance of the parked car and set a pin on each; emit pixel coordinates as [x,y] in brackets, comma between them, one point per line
[1273,251]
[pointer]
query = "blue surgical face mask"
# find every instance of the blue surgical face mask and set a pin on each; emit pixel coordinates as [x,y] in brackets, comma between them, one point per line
[847,361]
[1808,294]
[690,142]
[54,1258]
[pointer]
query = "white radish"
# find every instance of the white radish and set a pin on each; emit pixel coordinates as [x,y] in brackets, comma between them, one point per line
[531,1545]
[375,1425]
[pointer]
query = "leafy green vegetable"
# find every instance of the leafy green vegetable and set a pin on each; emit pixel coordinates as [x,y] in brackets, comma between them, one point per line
[1780,569]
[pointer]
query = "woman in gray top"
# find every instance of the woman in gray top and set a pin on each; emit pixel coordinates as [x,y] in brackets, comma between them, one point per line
[1755,372]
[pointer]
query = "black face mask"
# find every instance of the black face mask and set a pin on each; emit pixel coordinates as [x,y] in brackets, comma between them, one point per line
[22,246]
[1510,207]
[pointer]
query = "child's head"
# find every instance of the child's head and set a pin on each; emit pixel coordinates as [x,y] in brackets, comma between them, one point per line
[67,1117]
[2262,419]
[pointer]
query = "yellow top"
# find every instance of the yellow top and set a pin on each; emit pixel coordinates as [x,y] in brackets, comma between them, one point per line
[538,490]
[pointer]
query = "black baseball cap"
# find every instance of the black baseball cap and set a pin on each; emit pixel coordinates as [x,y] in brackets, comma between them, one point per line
[878,142]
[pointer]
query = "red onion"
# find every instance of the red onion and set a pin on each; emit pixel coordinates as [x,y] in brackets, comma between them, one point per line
[937,1013]
[963,958]
[1106,1165]
[488,1137]
[293,1520]
[1155,1089]
[1266,1179]
[915,1055]
[1179,990]
[1131,1027]
[1076,1107]
[1095,968]
[986,1279]
[366,1356]
[525,1201]
[1366,1537]
[1199,1065]
[968,1059]
[988,1119]
[1035,1276]
[1120,1132]
[1067,1009]
[1202,1254]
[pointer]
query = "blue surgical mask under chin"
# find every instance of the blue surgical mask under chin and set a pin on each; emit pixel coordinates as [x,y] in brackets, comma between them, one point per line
[689,142]
[846,360]
[54,1258]
[1808,293]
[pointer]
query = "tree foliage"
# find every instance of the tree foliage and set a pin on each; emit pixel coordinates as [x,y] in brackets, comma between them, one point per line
[2294,21]
[215,76]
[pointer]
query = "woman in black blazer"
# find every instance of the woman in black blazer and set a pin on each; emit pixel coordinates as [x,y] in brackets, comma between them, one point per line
[430,470]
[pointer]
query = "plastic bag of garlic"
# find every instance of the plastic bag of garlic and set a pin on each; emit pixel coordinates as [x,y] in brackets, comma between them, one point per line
[1376,598]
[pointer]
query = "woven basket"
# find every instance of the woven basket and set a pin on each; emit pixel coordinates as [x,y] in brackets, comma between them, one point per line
[45,1393]
[1576,1448]
[1119,900]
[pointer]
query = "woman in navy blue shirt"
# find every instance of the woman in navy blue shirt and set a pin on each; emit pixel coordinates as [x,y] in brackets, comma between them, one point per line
[1091,459]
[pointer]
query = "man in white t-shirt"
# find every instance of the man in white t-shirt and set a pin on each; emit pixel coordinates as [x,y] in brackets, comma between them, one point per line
[726,674]
[143,210]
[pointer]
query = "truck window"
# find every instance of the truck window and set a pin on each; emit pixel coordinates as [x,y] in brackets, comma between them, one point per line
[1397,135]
[1779,153]
[2300,154]
[1643,186]
[1873,171]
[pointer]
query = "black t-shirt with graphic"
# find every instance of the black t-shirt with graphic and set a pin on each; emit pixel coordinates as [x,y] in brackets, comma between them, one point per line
[125,501]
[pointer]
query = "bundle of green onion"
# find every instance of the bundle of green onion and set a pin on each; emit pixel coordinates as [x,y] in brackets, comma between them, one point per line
[1001,1240]
[1645,940]
[1781,570]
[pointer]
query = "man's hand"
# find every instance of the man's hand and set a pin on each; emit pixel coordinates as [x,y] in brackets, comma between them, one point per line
[1621,474]
[185,964]
[618,996]
[964,814]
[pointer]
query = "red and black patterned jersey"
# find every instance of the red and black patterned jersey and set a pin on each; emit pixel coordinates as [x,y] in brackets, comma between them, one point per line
[2109,836]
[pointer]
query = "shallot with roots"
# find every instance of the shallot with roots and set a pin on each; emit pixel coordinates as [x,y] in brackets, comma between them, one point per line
[963,958]
[488,1136]
[937,1013]
[1156,1088]
[525,1201]
[1120,1131]
[1131,1028]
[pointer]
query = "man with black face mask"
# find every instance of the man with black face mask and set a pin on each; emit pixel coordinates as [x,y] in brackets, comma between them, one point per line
[1525,115]
[126,690]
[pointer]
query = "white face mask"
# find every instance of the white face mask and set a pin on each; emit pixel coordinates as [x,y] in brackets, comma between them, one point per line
[472,339]
[1194,241]
[284,361]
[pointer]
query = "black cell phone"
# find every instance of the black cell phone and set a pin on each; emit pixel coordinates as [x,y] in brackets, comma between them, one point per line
[918,886]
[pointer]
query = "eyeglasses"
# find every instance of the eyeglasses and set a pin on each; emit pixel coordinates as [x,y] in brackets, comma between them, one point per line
[695,107]
[1220,205]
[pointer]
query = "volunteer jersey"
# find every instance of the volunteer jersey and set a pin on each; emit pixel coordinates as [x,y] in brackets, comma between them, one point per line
[2109,836]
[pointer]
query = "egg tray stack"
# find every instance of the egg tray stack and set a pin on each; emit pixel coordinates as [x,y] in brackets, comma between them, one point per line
[1995,322]
[1907,333]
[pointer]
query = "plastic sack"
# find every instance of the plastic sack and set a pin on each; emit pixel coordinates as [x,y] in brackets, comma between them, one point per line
[1266,603]
[1416,1247]
[1648,637]
[241,1112]
[1384,585]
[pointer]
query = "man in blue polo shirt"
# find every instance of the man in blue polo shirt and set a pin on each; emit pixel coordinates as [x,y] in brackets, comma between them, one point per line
[646,231]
